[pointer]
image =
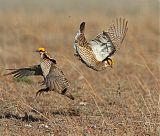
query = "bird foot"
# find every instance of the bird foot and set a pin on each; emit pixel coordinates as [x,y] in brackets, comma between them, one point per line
[77,56]
[42,91]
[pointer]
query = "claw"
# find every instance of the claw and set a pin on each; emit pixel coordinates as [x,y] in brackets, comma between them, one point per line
[39,92]
[42,91]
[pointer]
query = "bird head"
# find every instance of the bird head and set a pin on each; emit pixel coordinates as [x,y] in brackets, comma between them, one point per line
[108,62]
[41,51]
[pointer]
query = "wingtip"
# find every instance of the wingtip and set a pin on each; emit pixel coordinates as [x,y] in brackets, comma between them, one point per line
[7,74]
[10,72]
[121,19]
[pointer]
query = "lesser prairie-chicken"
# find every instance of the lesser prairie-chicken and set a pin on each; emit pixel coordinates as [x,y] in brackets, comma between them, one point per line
[97,52]
[54,78]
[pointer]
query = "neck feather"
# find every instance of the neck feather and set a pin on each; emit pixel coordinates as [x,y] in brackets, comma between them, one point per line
[46,56]
[82,39]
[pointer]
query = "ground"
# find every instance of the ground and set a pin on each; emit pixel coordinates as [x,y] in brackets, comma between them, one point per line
[120,101]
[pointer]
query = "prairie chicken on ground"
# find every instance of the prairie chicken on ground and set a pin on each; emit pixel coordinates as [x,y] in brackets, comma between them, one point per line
[54,79]
[97,52]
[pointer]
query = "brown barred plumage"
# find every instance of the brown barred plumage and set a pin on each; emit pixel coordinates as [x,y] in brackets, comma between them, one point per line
[89,58]
[95,54]
[54,78]
[45,66]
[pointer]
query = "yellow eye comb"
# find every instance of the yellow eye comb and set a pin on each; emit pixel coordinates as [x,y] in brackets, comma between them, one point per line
[41,49]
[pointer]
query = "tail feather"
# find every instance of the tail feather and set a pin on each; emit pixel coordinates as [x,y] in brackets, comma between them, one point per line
[69,96]
[64,92]
[82,27]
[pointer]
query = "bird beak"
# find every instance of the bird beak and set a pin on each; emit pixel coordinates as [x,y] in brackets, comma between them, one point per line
[112,62]
[109,63]
[37,51]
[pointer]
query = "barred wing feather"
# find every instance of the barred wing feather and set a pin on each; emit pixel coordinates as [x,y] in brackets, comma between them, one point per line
[28,71]
[56,79]
[106,43]
[117,32]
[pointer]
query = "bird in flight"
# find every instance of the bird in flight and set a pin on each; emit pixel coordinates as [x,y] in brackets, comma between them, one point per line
[54,78]
[96,53]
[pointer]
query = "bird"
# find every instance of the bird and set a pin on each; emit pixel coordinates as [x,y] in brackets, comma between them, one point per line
[54,78]
[96,53]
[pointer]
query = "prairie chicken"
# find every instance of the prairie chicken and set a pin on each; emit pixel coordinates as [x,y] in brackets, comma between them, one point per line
[54,79]
[97,52]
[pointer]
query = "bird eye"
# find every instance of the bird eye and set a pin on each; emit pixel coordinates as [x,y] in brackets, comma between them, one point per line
[76,41]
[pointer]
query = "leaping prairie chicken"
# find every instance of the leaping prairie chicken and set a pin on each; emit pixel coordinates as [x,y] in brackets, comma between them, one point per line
[54,79]
[97,52]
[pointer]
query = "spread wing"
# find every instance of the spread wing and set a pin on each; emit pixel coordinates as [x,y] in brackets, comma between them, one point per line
[117,32]
[56,79]
[29,71]
[106,43]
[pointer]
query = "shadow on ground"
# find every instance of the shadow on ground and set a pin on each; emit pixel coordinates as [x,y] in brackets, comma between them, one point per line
[25,118]
[70,112]
[31,118]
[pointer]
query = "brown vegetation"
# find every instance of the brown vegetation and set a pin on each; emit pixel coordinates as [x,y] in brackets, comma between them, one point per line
[124,100]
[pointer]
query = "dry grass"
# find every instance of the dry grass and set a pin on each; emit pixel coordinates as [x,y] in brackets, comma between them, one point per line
[124,100]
